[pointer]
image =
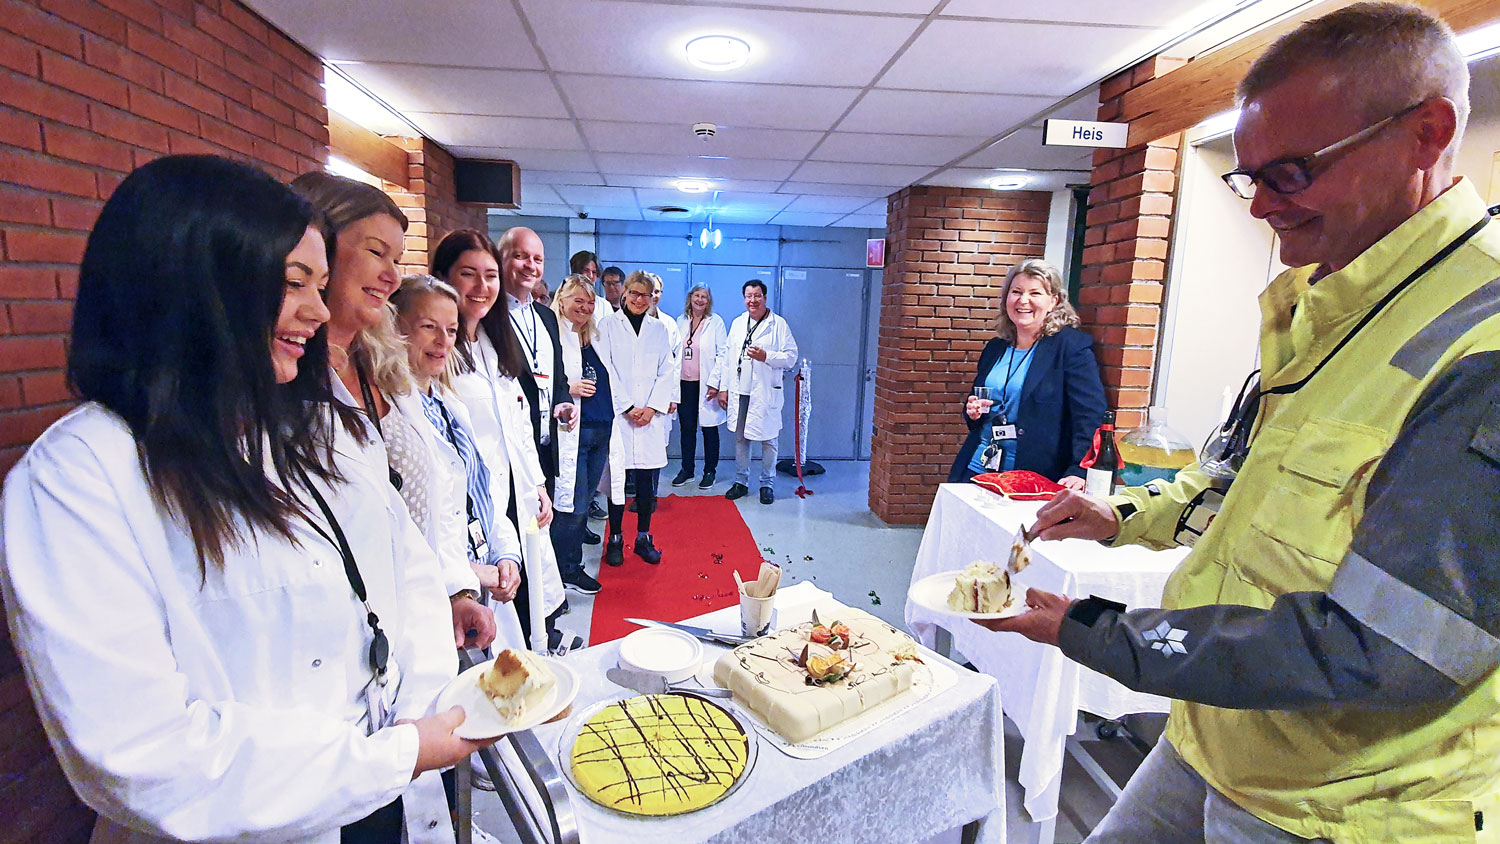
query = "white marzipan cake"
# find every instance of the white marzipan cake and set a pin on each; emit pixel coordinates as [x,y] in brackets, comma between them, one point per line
[774,675]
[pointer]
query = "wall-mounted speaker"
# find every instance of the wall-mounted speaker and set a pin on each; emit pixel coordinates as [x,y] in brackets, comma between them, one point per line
[492,183]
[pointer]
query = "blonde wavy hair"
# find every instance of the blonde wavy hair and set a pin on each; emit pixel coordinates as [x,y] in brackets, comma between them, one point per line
[413,289]
[570,285]
[380,352]
[1060,316]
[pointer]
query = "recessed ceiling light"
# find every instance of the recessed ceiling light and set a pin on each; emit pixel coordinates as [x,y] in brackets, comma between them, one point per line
[718,52]
[692,185]
[1008,182]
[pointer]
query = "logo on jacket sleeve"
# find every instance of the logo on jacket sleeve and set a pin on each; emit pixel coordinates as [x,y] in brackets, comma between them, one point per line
[1166,638]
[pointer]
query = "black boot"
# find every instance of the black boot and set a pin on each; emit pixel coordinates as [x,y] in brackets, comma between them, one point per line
[645,550]
[614,552]
[737,491]
[589,537]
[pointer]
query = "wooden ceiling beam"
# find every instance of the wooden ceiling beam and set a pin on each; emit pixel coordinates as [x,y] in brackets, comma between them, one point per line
[1205,86]
[369,151]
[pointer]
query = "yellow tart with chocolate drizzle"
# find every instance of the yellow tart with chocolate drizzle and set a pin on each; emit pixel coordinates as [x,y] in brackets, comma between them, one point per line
[659,755]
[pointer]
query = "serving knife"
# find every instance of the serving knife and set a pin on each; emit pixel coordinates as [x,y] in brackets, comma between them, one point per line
[648,683]
[696,632]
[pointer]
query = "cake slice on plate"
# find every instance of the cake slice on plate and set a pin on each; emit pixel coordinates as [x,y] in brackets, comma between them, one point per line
[981,587]
[517,683]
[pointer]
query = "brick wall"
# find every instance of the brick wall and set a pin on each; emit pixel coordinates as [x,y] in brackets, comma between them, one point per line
[949,251]
[88,92]
[429,201]
[1125,250]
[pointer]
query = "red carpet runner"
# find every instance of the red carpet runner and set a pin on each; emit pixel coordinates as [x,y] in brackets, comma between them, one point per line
[702,539]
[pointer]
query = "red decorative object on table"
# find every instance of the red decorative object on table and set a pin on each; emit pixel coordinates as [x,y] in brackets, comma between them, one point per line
[1019,485]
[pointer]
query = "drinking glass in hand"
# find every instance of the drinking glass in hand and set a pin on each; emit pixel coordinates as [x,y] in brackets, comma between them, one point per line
[980,402]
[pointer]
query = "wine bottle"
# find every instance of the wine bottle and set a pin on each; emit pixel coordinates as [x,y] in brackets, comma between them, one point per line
[1099,480]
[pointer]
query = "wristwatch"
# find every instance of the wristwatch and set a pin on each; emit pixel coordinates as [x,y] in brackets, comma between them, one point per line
[464,593]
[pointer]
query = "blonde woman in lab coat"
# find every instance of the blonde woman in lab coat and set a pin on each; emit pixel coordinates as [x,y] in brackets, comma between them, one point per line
[268,630]
[643,386]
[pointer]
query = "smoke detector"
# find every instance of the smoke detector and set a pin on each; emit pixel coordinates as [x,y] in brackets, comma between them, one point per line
[705,130]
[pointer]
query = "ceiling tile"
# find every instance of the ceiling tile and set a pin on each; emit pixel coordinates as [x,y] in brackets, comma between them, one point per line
[828,204]
[647,39]
[871,148]
[662,185]
[863,221]
[1086,107]
[558,177]
[918,113]
[824,189]
[476,131]
[461,90]
[544,194]
[967,177]
[380,30]
[790,218]
[678,139]
[684,102]
[1050,59]
[1166,13]
[902,7]
[535,159]
[677,166]
[729,200]
[546,209]
[585,195]
[865,174]
[1024,149]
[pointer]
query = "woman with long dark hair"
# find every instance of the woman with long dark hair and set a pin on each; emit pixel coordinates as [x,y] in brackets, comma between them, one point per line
[369,361]
[262,628]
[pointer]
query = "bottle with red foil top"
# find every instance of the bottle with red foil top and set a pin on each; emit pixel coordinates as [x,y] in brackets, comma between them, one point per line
[1103,462]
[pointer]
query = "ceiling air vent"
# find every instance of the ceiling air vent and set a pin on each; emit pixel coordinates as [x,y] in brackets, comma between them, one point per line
[669,209]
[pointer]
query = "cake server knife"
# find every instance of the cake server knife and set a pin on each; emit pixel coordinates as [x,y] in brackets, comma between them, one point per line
[655,684]
[696,632]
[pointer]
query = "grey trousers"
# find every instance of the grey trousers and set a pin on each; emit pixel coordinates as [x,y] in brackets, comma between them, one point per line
[742,452]
[1166,802]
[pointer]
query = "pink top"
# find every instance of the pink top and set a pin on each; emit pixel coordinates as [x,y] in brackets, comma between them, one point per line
[690,370]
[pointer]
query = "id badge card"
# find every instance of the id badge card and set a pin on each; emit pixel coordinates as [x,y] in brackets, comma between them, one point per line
[381,696]
[543,402]
[476,540]
[687,353]
[1198,516]
[1003,431]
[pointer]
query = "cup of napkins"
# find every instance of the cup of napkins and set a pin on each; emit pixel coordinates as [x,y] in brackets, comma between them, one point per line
[758,600]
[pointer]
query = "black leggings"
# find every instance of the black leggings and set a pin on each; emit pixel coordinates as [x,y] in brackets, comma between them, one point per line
[687,415]
[645,501]
[382,826]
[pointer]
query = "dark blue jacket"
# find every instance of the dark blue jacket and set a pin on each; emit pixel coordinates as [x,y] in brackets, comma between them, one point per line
[1062,404]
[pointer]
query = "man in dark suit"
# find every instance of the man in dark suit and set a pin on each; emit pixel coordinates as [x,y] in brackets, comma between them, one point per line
[522,257]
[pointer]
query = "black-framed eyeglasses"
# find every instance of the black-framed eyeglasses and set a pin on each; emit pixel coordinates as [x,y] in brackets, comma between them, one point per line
[1288,176]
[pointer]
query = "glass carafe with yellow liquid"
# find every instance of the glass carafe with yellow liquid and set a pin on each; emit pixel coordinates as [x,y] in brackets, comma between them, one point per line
[1154,452]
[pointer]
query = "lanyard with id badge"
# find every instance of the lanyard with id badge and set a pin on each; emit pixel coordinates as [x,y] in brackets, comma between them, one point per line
[479,548]
[543,380]
[385,682]
[1003,432]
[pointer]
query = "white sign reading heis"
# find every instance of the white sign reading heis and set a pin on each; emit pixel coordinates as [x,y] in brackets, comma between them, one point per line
[1085,133]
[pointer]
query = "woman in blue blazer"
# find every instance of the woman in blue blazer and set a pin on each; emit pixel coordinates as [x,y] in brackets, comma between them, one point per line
[1045,379]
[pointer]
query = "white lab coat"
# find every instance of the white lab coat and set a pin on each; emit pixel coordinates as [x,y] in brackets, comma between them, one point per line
[567,497]
[500,418]
[230,708]
[448,528]
[641,374]
[763,420]
[711,349]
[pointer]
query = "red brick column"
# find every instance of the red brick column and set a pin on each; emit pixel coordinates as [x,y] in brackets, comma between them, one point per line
[430,201]
[88,92]
[949,250]
[1126,241]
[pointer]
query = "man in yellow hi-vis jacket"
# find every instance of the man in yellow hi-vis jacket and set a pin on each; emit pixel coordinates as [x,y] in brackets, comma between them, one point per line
[1331,640]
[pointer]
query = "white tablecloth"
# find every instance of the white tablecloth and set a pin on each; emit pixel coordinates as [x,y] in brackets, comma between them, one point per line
[906,781]
[1042,690]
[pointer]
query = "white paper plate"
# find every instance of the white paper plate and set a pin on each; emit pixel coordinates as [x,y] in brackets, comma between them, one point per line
[661,650]
[931,592]
[482,720]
